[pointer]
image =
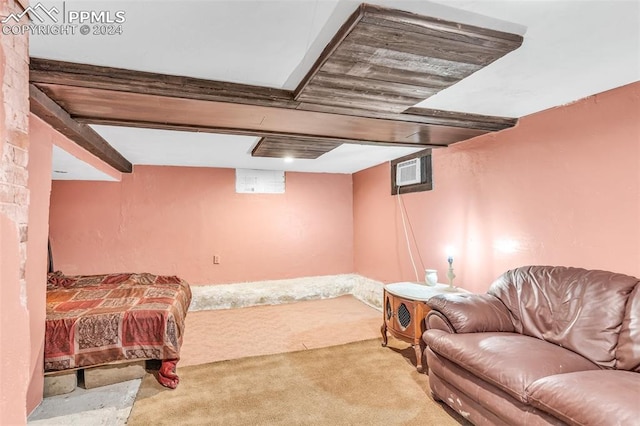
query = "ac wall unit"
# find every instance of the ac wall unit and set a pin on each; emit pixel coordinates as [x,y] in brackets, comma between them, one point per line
[408,172]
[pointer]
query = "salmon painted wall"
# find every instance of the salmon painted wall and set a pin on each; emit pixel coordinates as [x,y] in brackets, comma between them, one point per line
[14,340]
[41,137]
[173,220]
[561,188]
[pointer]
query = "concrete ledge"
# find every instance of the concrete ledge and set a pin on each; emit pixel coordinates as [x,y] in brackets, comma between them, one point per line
[110,374]
[238,295]
[368,291]
[60,383]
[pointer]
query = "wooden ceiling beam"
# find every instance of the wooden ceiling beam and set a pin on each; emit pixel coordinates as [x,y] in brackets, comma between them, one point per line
[49,111]
[462,119]
[98,106]
[48,71]
[425,116]
[44,72]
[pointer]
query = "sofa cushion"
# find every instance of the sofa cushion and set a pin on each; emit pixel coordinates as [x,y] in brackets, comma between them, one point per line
[605,397]
[509,361]
[576,308]
[467,392]
[628,352]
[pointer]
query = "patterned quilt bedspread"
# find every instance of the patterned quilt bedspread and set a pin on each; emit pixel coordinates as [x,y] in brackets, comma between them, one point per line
[100,319]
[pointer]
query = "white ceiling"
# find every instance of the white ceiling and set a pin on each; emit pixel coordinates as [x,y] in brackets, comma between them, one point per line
[68,167]
[572,49]
[173,148]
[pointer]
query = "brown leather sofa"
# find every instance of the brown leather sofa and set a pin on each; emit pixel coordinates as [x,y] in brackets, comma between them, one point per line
[545,345]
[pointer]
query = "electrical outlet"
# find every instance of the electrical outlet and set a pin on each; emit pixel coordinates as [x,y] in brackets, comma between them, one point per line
[216,259]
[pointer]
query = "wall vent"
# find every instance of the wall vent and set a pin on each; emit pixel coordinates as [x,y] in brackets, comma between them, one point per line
[408,172]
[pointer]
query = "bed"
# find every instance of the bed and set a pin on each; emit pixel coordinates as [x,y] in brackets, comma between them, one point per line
[96,320]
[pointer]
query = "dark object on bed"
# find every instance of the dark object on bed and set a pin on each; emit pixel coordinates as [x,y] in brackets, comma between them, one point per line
[102,319]
[49,258]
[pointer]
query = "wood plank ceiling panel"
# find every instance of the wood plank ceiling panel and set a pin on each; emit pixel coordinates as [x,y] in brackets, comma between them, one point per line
[389,60]
[280,147]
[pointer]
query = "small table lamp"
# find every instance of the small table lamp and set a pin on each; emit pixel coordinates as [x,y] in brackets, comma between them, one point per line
[450,274]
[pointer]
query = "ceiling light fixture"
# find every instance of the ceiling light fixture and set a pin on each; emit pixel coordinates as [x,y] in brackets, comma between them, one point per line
[288,159]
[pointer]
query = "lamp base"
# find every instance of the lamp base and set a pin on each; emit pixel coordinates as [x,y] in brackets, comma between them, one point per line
[451,276]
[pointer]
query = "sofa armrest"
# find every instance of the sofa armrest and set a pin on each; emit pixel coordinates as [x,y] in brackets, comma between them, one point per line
[468,313]
[435,320]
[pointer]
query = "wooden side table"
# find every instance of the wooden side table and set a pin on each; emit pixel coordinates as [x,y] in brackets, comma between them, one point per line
[403,312]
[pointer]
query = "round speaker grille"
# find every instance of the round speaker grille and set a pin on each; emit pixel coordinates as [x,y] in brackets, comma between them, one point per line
[404,316]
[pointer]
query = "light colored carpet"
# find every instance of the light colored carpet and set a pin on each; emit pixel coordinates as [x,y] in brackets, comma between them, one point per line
[352,384]
[262,330]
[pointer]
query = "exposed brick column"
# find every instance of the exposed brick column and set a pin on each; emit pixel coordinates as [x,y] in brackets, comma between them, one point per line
[14,128]
[15,338]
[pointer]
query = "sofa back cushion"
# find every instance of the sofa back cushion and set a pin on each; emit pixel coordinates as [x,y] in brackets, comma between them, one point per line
[575,308]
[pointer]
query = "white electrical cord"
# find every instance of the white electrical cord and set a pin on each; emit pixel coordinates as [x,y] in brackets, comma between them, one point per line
[406,236]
